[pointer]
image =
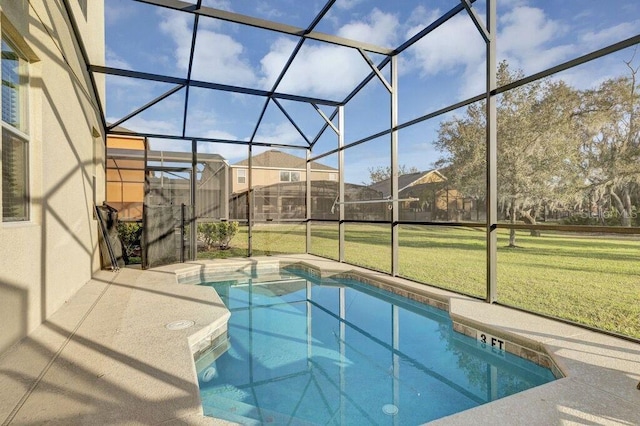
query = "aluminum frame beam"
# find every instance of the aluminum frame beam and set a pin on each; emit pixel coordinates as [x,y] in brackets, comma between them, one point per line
[292,121]
[484,32]
[146,106]
[286,67]
[267,25]
[194,36]
[207,85]
[177,137]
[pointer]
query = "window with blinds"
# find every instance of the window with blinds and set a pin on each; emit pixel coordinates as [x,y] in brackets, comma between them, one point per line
[15,196]
[15,146]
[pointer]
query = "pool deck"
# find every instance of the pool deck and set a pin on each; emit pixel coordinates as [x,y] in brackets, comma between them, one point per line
[106,357]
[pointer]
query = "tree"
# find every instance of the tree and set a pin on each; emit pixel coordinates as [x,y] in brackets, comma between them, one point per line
[380,173]
[610,134]
[537,147]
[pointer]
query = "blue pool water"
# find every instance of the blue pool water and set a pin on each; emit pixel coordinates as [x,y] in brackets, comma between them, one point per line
[309,351]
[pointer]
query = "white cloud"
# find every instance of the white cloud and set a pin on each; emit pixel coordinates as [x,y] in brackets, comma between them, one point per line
[420,17]
[281,133]
[224,63]
[526,28]
[218,4]
[171,145]
[455,49]
[347,4]
[379,28]
[141,125]
[219,58]
[455,44]
[508,4]
[611,35]
[327,70]
[115,61]
[527,39]
[231,152]
[117,11]
[266,11]
[525,36]
[273,62]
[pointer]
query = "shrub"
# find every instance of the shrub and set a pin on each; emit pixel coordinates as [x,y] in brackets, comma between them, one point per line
[217,235]
[130,233]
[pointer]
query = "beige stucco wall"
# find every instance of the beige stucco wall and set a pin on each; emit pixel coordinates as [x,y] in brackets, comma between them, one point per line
[44,261]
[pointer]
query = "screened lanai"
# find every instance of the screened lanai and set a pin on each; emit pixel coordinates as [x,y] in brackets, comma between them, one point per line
[489,147]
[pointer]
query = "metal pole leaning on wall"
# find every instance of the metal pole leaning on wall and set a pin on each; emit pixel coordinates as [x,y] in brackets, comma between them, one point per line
[107,241]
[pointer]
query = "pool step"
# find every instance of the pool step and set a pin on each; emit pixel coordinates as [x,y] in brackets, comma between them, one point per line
[245,414]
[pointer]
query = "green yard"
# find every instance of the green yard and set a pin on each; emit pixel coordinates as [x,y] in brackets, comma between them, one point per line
[594,280]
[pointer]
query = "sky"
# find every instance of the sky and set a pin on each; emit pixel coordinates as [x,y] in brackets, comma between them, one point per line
[445,67]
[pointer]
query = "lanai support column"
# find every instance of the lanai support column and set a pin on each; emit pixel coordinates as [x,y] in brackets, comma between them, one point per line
[250,203]
[308,202]
[395,214]
[492,154]
[341,182]
[193,231]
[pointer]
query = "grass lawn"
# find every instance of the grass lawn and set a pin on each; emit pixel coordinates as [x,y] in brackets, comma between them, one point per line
[593,280]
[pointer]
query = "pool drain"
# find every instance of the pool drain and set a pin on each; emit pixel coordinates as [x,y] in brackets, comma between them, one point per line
[180,325]
[390,409]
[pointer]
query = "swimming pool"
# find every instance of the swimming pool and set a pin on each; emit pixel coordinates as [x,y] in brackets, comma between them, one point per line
[305,350]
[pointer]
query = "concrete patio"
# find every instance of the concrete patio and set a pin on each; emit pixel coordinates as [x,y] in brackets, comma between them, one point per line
[106,357]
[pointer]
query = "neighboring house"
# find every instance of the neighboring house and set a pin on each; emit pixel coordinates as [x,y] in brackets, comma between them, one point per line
[273,167]
[435,199]
[279,186]
[52,158]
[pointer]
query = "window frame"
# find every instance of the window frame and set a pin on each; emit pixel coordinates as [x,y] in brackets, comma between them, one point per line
[243,176]
[19,133]
[291,176]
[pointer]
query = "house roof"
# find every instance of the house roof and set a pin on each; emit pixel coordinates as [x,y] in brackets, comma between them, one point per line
[281,160]
[407,180]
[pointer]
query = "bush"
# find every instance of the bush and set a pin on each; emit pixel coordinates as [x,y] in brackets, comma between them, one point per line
[217,235]
[130,233]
